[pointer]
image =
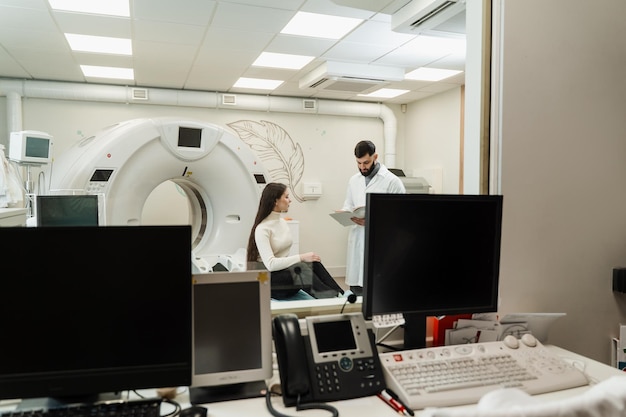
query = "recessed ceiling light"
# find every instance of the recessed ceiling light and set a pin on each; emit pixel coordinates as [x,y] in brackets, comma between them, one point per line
[99,44]
[386,93]
[108,72]
[287,61]
[257,83]
[430,74]
[107,7]
[320,25]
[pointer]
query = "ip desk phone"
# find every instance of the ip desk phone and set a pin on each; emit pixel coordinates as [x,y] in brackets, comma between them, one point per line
[336,360]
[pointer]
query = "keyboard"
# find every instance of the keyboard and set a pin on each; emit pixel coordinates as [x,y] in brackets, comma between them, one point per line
[461,374]
[136,408]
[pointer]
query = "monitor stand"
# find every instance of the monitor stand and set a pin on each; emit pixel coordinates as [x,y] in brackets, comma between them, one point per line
[414,330]
[202,395]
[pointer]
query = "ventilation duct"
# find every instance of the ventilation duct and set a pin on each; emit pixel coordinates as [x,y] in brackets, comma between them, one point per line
[348,77]
[421,15]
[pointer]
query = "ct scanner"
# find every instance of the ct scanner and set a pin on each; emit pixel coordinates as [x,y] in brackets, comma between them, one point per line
[219,173]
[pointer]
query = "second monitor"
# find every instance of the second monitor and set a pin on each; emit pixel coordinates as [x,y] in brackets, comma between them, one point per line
[232,336]
[67,210]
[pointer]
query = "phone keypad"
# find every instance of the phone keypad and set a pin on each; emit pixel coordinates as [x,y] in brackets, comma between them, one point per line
[327,378]
[330,376]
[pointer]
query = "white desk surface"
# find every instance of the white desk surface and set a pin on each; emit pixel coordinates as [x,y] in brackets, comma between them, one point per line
[373,406]
[369,406]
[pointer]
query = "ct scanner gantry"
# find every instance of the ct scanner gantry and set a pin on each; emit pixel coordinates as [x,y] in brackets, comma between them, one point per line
[219,173]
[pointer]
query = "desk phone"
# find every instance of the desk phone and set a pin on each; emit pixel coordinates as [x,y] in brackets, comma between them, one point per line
[336,360]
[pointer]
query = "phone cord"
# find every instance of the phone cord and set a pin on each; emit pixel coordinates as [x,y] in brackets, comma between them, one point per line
[276,413]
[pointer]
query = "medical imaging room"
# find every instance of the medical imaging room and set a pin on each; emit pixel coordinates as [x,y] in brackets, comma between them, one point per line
[312,208]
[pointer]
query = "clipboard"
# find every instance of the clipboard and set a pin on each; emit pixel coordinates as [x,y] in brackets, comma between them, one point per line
[343,217]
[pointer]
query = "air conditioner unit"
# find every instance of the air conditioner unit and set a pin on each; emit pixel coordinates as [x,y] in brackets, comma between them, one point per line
[420,15]
[350,77]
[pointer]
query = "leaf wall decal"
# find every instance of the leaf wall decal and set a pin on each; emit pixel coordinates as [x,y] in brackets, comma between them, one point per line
[282,157]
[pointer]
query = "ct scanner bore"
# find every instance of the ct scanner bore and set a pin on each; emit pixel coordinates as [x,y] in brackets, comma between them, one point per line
[220,174]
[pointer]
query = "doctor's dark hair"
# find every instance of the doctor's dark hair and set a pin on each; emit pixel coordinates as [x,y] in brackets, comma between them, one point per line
[272,192]
[364,147]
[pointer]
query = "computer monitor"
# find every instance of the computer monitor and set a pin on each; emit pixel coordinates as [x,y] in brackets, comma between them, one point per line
[232,336]
[431,255]
[30,147]
[90,312]
[67,210]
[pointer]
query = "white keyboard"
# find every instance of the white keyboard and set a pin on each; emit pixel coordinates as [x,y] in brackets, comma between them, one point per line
[461,374]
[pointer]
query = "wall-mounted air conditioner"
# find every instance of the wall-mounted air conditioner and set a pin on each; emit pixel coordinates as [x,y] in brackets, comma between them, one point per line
[350,77]
[420,15]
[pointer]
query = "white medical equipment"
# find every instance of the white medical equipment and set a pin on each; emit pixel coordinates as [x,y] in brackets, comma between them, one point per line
[219,173]
[30,147]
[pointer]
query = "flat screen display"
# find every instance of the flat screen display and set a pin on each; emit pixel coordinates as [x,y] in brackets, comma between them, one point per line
[37,147]
[67,210]
[334,336]
[93,310]
[430,255]
[189,137]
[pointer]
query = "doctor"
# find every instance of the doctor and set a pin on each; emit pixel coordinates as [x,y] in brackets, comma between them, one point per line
[373,177]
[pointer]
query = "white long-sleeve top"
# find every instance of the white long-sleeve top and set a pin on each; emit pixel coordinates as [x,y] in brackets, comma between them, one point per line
[273,239]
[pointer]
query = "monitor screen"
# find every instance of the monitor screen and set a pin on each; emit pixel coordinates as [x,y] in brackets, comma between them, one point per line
[430,255]
[232,335]
[67,210]
[94,310]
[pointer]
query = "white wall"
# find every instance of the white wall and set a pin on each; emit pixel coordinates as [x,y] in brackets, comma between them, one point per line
[433,144]
[564,166]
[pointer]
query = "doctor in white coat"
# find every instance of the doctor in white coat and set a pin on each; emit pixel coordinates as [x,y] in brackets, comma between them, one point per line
[373,177]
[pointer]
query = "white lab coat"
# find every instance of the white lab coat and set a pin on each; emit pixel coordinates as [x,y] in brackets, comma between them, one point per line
[383,182]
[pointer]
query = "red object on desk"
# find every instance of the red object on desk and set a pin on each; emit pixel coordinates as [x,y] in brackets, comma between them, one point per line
[441,325]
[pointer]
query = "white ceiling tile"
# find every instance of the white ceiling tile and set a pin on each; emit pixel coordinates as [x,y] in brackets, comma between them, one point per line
[191,12]
[168,32]
[225,38]
[244,17]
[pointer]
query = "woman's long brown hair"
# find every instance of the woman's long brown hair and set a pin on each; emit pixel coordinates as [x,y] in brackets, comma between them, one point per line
[272,192]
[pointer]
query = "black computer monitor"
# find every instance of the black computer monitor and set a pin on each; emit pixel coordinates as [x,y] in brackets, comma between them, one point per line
[90,312]
[430,255]
[67,210]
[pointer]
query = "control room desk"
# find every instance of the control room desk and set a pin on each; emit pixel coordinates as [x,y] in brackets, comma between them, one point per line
[374,407]
[371,406]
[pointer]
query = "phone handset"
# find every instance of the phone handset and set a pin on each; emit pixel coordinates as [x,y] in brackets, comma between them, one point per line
[292,366]
[291,355]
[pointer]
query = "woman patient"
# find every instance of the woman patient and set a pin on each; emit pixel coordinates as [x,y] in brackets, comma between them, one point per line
[294,277]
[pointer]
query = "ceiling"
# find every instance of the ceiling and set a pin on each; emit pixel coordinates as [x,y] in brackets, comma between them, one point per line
[207,45]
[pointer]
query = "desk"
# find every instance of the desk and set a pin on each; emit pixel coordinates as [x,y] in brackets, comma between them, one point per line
[372,406]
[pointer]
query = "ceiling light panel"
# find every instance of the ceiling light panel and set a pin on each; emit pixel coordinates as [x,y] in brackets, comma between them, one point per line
[99,44]
[430,74]
[108,72]
[385,93]
[287,61]
[320,25]
[106,7]
[257,83]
